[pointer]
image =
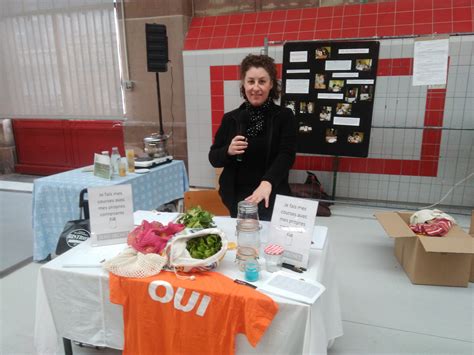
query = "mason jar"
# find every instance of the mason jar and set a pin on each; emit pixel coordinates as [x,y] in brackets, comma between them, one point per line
[243,255]
[248,234]
[247,210]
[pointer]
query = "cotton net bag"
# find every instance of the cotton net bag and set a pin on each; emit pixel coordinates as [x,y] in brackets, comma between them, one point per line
[132,263]
[145,254]
[180,260]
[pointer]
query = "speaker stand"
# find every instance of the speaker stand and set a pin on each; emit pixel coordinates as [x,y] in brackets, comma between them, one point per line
[159,102]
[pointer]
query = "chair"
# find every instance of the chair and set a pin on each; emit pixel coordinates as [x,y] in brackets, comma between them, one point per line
[209,200]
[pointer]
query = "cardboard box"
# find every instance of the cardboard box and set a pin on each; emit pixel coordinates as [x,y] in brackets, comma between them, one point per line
[471,232]
[444,261]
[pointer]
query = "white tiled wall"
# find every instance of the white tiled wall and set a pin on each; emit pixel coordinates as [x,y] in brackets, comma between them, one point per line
[397,104]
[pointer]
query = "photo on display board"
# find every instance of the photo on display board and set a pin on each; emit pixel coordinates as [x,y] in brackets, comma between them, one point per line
[336,85]
[332,94]
[323,53]
[319,81]
[366,92]
[363,64]
[306,107]
[351,94]
[291,105]
[331,135]
[304,127]
[325,113]
[343,109]
[355,137]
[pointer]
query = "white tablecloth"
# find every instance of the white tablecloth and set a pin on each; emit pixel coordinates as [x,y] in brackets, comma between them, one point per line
[74,303]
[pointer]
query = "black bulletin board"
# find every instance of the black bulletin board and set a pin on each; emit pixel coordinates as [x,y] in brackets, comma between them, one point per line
[330,86]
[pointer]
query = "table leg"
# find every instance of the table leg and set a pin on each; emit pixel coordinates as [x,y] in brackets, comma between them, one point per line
[67,346]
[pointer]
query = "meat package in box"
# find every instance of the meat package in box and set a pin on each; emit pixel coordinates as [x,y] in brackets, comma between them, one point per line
[443,261]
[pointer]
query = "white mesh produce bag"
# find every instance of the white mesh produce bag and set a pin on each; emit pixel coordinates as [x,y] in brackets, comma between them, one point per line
[179,258]
[131,263]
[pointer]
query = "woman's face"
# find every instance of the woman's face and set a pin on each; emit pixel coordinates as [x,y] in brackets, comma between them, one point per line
[257,85]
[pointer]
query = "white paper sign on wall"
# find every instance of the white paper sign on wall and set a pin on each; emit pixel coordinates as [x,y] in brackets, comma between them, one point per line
[292,227]
[111,214]
[430,63]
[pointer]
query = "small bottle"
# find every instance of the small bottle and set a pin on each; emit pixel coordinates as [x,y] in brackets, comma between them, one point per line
[114,160]
[122,167]
[130,154]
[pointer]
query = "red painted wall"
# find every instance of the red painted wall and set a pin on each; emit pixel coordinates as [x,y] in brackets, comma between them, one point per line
[47,147]
[397,18]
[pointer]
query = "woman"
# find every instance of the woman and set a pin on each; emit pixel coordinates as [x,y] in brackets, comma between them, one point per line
[255,143]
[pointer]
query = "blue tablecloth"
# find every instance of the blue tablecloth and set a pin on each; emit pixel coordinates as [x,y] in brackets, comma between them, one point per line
[56,198]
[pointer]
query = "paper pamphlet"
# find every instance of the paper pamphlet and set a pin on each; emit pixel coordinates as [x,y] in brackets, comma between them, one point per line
[86,257]
[111,214]
[286,285]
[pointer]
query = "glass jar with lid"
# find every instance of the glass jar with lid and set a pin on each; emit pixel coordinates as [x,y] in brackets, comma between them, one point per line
[247,210]
[248,234]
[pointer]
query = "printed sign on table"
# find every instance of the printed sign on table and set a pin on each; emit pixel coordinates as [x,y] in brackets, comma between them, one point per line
[111,214]
[292,227]
[102,166]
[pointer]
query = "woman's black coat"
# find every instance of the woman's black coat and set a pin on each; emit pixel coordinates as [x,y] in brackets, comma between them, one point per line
[280,142]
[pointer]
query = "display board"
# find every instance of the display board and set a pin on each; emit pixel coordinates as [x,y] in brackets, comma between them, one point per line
[330,87]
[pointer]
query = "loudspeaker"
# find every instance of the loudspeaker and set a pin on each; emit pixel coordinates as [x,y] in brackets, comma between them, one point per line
[156,47]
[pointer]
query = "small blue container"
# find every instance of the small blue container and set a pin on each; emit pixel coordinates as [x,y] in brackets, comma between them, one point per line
[251,270]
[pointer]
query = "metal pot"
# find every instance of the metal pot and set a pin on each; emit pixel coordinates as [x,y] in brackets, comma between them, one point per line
[155,145]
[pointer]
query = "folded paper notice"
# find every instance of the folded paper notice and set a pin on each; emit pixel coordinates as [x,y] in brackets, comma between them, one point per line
[292,227]
[102,167]
[111,214]
[286,285]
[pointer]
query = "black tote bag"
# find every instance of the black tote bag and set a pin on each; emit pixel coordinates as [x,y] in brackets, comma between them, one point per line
[76,231]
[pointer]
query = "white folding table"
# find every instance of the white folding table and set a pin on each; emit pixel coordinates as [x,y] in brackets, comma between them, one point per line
[73,302]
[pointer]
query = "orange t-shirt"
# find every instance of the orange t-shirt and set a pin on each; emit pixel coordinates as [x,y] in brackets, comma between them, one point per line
[166,315]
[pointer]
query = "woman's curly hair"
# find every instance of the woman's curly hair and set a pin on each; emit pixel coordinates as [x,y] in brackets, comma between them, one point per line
[260,61]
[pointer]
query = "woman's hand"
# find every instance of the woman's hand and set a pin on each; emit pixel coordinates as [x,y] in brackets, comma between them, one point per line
[237,145]
[262,192]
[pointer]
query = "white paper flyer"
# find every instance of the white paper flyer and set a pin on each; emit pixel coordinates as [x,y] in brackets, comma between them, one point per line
[292,227]
[111,214]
